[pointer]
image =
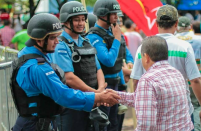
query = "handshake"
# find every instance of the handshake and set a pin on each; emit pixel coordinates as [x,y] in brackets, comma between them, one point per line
[107,98]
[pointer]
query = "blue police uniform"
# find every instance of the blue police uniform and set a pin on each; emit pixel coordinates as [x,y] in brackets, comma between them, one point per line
[108,58]
[70,120]
[36,78]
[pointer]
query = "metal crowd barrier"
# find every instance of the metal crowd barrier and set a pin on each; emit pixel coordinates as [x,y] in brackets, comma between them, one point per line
[7,54]
[8,112]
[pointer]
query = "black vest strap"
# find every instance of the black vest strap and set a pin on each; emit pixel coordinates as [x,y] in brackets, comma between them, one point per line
[102,33]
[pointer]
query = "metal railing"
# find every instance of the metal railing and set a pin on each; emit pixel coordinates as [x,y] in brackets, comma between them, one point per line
[8,112]
[7,54]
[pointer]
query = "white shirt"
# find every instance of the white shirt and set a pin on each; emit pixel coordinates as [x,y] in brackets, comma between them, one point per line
[134,41]
[180,56]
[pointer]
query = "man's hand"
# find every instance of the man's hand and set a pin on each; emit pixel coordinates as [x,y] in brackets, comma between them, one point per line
[126,78]
[108,97]
[130,66]
[116,31]
[102,88]
[110,91]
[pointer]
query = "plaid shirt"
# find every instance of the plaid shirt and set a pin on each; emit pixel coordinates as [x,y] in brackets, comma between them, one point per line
[160,100]
[6,35]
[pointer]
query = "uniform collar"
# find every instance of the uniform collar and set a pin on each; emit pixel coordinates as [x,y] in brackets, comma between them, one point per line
[70,39]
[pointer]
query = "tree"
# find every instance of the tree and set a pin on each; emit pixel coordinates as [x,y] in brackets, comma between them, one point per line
[32,7]
[8,2]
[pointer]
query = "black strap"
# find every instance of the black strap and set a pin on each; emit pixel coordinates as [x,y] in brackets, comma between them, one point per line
[96,30]
[24,58]
[62,38]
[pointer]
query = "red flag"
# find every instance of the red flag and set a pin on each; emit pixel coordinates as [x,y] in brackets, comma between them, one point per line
[143,13]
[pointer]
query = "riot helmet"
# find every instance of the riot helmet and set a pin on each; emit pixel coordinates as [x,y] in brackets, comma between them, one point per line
[70,9]
[120,14]
[105,8]
[40,27]
[92,20]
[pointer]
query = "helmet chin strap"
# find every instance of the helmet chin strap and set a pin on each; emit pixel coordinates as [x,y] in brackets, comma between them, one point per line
[44,48]
[72,29]
[107,21]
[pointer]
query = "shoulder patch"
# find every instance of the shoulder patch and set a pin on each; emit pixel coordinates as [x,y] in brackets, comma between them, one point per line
[62,51]
[96,41]
[49,73]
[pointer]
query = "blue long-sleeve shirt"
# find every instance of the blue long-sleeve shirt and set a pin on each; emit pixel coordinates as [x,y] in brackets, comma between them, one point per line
[36,78]
[105,56]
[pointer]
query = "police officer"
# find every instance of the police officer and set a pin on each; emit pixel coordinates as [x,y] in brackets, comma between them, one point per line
[106,38]
[76,57]
[37,90]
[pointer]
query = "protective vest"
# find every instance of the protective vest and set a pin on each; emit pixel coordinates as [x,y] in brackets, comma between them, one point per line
[84,62]
[108,39]
[46,107]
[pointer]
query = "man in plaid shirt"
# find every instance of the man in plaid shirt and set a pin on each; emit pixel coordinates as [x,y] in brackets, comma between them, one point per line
[160,98]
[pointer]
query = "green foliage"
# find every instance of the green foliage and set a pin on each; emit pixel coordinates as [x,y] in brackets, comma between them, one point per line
[7,1]
[89,2]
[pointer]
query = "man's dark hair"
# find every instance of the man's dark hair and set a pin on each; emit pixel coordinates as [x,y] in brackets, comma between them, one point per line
[128,23]
[156,47]
[165,22]
[6,22]
[196,27]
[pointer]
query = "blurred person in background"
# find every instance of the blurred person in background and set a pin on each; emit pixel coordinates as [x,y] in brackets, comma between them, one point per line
[3,16]
[184,32]
[197,28]
[190,16]
[197,16]
[20,38]
[133,37]
[7,34]
[17,24]
[1,24]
